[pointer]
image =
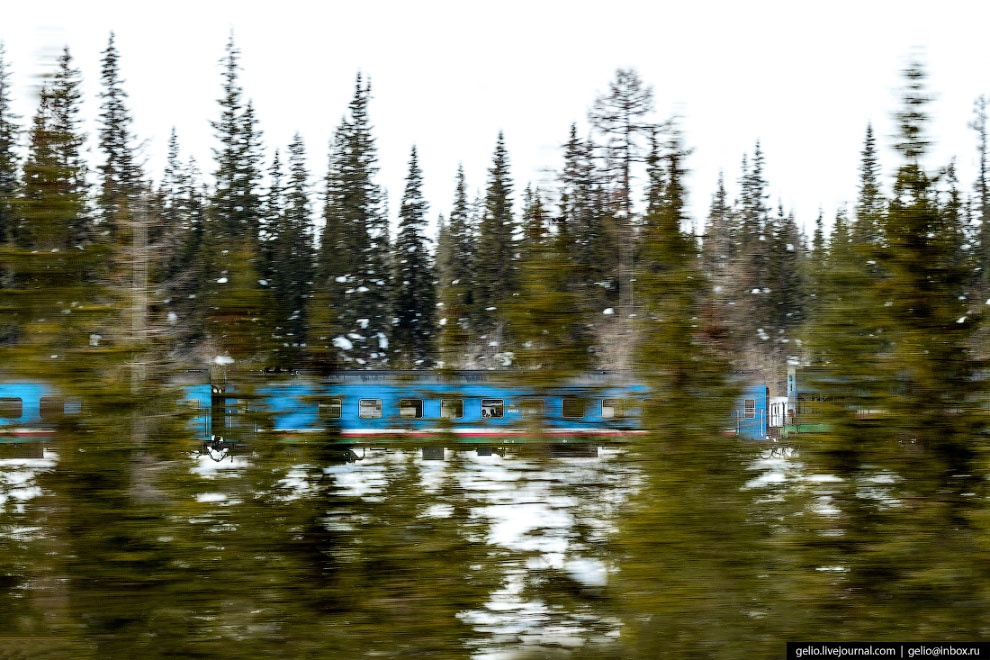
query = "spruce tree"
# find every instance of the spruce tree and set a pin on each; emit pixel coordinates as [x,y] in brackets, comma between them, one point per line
[456,277]
[167,234]
[785,277]
[231,249]
[982,190]
[354,252]
[227,221]
[120,175]
[294,253]
[870,202]
[414,297]
[495,264]
[9,160]
[54,192]
[288,249]
[752,310]
[584,220]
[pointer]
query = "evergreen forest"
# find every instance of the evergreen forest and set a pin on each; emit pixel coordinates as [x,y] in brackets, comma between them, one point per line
[115,280]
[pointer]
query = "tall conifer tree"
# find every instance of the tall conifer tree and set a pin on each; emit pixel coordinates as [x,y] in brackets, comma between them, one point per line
[870,202]
[120,175]
[55,210]
[496,255]
[9,159]
[354,253]
[414,296]
[456,277]
[583,219]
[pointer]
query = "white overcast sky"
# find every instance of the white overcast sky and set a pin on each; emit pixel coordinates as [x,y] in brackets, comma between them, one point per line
[804,78]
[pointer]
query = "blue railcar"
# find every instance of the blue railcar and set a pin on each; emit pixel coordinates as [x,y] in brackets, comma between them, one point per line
[365,407]
[31,410]
[467,406]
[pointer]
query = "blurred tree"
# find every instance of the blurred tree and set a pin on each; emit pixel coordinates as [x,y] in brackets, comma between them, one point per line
[413,291]
[242,312]
[54,194]
[547,317]
[904,452]
[682,579]
[718,255]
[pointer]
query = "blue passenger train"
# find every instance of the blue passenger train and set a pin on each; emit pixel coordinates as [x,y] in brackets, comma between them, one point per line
[371,407]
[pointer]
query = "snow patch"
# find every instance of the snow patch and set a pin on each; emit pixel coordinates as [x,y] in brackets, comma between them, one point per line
[222,280]
[382,341]
[343,343]
[173,318]
[608,312]
[223,359]
[363,322]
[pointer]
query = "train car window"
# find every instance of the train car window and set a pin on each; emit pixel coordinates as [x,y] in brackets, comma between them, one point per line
[51,408]
[573,407]
[749,406]
[451,408]
[612,408]
[411,408]
[73,405]
[492,408]
[370,408]
[330,409]
[11,407]
[532,407]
